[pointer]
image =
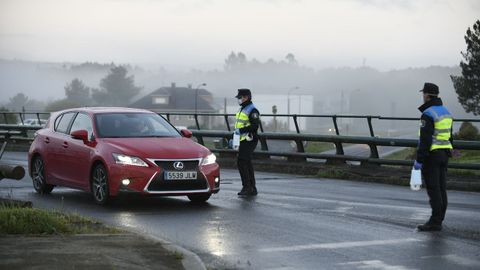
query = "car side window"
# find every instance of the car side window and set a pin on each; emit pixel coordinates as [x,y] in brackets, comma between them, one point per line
[82,121]
[64,122]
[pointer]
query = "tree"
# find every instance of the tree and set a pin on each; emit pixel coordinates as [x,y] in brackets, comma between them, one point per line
[467,132]
[18,102]
[235,60]
[116,88]
[291,59]
[467,86]
[60,104]
[78,93]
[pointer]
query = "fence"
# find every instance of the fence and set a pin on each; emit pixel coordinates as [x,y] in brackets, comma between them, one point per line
[10,131]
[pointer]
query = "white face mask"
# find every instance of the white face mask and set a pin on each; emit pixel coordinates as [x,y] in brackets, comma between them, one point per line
[240,101]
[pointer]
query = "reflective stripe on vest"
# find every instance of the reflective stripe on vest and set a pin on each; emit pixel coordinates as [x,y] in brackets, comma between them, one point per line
[442,120]
[242,119]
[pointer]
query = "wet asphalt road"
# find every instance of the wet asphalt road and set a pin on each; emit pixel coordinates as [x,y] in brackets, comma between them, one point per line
[294,223]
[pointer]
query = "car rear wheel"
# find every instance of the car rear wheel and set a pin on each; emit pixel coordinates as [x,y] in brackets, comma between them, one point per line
[199,198]
[38,177]
[100,189]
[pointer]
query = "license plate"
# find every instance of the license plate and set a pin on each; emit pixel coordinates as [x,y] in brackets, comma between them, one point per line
[180,175]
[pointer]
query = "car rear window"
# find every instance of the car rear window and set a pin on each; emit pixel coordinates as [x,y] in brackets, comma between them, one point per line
[129,125]
[63,121]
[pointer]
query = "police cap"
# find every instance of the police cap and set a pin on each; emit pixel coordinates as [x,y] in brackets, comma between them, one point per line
[242,92]
[430,89]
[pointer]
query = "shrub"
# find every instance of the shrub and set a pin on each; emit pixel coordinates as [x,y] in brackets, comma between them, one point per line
[467,132]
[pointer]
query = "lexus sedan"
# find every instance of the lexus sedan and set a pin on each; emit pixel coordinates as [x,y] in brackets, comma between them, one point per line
[107,151]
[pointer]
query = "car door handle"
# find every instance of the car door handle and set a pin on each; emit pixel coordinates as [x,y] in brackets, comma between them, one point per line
[65,145]
[47,140]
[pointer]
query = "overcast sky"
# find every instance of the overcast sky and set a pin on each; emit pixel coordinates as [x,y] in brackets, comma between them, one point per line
[386,34]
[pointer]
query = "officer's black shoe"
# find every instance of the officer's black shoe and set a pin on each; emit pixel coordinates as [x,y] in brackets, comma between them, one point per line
[243,192]
[429,227]
[254,192]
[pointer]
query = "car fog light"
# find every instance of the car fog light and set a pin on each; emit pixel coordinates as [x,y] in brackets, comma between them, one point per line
[217,179]
[126,182]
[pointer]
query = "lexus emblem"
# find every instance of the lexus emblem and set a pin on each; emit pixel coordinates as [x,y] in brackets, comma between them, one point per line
[178,165]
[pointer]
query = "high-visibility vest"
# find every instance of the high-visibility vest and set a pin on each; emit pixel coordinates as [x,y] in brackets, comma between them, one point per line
[242,119]
[442,120]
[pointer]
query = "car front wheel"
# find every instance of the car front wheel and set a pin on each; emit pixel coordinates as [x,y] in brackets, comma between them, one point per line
[100,189]
[199,198]
[38,177]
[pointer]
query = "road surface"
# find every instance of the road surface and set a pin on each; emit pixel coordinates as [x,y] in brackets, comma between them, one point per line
[294,223]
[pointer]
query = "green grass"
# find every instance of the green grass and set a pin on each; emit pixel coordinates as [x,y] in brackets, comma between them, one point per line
[318,147]
[404,154]
[16,220]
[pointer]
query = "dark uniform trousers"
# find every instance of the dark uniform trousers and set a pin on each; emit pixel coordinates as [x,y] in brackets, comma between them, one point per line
[244,163]
[434,173]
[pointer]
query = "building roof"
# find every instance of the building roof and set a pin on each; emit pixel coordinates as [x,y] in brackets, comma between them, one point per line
[179,99]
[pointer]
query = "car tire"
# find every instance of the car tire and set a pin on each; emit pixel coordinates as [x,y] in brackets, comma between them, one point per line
[199,198]
[99,185]
[38,177]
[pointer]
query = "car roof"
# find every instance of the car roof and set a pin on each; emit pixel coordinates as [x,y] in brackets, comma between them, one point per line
[95,110]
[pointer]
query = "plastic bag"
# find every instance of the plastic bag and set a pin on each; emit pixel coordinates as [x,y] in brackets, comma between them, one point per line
[236,141]
[416,180]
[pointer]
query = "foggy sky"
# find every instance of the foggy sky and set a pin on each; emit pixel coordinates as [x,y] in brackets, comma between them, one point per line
[384,34]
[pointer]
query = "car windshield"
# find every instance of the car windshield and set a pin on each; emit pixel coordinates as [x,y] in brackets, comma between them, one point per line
[130,125]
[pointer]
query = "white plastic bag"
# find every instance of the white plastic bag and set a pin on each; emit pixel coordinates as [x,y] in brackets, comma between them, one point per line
[416,180]
[236,141]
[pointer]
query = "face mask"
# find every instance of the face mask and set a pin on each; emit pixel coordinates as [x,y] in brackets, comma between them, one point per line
[240,101]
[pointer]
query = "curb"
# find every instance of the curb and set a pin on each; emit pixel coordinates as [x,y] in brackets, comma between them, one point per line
[190,261]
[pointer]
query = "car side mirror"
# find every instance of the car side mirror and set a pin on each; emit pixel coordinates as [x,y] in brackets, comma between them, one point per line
[81,134]
[186,133]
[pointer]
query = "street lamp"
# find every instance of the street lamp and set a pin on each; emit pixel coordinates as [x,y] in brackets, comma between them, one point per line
[288,104]
[196,95]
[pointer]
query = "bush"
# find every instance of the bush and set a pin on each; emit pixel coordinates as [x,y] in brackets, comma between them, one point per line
[467,132]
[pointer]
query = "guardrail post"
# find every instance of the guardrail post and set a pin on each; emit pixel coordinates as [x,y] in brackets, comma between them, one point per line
[296,123]
[334,118]
[338,145]
[196,121]
[200,139]
[226,121]
[370,127]
[373,146]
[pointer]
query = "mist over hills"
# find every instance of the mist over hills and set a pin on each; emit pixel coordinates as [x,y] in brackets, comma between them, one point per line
[359,90]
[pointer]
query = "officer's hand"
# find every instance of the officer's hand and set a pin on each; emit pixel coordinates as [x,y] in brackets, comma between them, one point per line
[230,143]
[237,131]
[417,165]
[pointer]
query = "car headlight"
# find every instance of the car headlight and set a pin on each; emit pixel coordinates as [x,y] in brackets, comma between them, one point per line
[210,159]
[128,160]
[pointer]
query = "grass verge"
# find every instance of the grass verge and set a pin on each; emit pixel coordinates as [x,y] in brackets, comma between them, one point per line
[18,220]
[464,156]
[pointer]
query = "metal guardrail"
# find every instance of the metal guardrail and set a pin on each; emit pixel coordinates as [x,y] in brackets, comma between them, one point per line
[301,155]
[19,132]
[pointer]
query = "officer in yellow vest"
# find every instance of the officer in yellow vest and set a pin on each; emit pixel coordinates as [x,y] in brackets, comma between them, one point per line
[433,152]
[246,125]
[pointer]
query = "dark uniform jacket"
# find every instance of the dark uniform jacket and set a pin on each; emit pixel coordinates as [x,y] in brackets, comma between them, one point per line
[426,130]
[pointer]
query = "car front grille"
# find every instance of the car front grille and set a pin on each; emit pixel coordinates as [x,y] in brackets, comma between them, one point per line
[159,184]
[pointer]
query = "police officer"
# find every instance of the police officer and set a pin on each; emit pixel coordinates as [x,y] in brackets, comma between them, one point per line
[433,152]
[246,125]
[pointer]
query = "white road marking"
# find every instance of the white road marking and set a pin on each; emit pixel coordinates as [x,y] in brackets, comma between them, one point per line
[340,245]
[375,264]
[456,259]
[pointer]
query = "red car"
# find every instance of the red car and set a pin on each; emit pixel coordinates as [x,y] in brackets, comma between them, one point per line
[109,150]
